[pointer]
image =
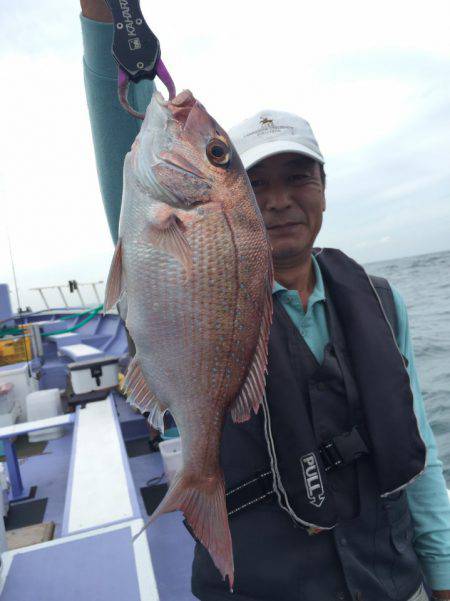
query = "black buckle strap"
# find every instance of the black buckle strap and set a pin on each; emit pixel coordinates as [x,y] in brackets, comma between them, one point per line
[337,452]
[343,449]
[249,492]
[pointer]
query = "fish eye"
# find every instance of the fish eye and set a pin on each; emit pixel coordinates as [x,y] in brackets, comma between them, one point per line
[218,153]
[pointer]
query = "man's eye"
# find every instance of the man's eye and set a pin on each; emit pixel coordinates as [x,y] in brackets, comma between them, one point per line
[257,183]
[298,177]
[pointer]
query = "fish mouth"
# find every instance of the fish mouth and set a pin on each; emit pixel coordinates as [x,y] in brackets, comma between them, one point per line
[180,107]
[189,118]
[188,126]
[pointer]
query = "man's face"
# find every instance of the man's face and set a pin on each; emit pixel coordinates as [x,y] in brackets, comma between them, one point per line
[290,195]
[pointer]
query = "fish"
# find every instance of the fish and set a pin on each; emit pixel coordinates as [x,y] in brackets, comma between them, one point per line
[192,277]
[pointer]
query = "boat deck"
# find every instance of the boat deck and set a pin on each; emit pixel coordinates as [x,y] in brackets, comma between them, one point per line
[171,547]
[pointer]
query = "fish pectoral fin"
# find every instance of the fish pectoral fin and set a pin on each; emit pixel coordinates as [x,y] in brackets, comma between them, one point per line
[166,233]
[253,389]
[114,285]
[139,395]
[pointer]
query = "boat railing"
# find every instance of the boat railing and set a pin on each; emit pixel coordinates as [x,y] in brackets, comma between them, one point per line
[71,286]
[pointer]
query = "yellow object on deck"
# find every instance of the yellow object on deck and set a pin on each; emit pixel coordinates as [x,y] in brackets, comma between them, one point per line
[15,350]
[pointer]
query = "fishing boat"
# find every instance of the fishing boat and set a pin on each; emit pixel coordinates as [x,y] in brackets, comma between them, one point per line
[82,474]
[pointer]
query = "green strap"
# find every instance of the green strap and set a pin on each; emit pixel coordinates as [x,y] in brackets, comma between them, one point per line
[92,314]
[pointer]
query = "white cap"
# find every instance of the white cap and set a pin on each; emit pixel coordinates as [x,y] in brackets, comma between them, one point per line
[273,132]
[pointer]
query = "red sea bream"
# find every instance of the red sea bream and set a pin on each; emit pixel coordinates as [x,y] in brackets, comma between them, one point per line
[192,275]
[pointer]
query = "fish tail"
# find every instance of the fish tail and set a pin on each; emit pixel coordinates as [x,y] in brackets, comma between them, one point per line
[202,500]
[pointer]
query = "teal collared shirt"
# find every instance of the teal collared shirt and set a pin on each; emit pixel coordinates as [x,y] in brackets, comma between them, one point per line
[311,324]
[113,132]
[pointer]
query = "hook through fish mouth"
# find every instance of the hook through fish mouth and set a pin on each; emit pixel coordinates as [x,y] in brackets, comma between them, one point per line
[180,106]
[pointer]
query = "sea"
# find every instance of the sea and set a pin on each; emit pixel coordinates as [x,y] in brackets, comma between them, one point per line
[424,283]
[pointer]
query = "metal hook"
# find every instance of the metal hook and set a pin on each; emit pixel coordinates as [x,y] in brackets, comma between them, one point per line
[124,84]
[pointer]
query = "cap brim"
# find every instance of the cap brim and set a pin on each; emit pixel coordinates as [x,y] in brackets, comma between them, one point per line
[258,153]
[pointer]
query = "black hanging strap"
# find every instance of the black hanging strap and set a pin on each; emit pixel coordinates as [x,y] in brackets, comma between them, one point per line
[249,492]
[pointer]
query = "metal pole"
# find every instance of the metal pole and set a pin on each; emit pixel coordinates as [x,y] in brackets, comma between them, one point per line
[14,273]
[3,543]
[43,298]
[81,298]
[17,489]
[36,339]
[96,292]
[62,296]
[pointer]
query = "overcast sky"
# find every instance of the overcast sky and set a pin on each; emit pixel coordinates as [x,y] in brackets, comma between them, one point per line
[373,80]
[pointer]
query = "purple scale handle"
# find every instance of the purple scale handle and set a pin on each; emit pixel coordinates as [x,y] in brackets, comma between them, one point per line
[164,76]
[124,82]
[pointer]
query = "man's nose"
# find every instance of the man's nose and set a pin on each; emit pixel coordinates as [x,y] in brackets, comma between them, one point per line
[278,199]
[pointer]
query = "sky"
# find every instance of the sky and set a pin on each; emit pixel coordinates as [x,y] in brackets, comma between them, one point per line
[373,79]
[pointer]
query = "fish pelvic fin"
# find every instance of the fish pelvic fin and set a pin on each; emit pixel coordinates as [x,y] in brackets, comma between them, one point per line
[202,500]
[139,395]
[253,389]
[167,234]
[114,285]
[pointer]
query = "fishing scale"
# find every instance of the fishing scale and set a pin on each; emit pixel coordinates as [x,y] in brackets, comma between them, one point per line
[136,50]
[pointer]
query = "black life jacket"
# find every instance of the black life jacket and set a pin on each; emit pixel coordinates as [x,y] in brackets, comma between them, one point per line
[356,408]
[365,399]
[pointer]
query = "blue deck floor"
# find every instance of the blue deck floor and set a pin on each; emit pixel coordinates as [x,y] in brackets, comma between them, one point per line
[170,544]
[49,473]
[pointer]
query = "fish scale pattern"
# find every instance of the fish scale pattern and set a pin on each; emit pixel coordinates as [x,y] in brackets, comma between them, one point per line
[200,326]
[196,336]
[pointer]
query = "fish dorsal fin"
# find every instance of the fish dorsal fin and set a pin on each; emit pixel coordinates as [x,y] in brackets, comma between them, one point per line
[140,396]
[114,283]
[253,389]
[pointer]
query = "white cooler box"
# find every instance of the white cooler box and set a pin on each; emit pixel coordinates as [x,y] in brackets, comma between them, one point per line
[172,456]
[94,374]
[41,405]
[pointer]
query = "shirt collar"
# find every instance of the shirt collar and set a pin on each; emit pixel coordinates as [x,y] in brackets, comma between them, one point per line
[318,294]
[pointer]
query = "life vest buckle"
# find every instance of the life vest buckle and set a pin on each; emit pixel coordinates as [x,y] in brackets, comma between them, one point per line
[343,449]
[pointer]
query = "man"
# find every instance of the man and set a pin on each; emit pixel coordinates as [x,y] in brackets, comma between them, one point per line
[316,481]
